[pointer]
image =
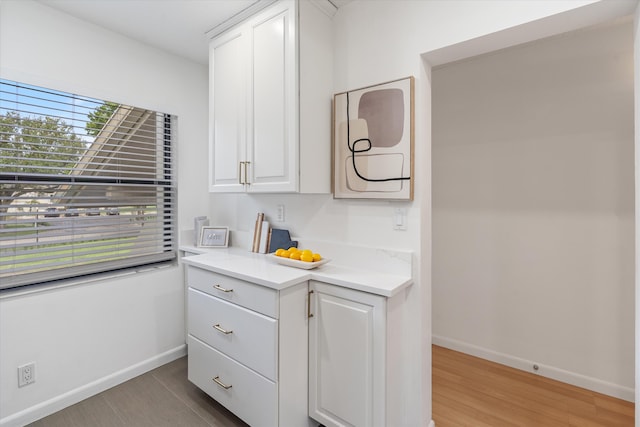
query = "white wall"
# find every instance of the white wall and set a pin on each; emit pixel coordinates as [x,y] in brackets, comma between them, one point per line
[533,207]
[92,335]
[377,41]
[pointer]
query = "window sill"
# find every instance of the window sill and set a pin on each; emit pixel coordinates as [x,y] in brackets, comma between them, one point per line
[78,281]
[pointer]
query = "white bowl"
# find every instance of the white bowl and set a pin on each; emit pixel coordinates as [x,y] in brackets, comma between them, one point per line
[298,264]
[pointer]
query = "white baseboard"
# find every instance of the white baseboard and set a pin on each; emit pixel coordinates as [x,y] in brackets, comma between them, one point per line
[72,397]
[578,380]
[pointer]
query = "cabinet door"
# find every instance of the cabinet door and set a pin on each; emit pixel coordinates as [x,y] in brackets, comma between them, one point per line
[346,357]
[273,118]
[227,105]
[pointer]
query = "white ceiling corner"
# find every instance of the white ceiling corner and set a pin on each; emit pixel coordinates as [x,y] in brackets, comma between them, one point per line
[176,26]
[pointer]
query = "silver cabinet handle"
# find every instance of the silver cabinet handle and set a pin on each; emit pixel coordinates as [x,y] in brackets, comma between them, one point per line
[309,313]
[246,166]
[240,173]
[220,288]
[221,384]
[219,328]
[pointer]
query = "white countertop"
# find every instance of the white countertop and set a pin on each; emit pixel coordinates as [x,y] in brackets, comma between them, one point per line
[261,269]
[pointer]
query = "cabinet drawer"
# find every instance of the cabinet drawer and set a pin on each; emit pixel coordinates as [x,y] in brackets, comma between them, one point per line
[250,396]
[244,335]
[259,298]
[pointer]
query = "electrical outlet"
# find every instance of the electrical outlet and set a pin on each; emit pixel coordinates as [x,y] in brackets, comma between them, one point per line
[280,216]
[26,374]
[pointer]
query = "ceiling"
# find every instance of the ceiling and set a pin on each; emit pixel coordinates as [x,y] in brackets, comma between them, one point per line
[176,26]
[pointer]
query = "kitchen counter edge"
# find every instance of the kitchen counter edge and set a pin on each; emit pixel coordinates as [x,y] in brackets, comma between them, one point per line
[258,268]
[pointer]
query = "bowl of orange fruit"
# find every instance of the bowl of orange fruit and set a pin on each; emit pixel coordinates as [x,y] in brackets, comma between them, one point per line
[299,258]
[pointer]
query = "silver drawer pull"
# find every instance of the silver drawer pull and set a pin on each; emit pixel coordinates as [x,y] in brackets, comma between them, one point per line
[220,288]
[224,331]
[221,384]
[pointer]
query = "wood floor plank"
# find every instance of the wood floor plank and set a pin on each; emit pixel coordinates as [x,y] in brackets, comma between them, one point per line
[501,408]
[467,388]
[615,405]
[513,391]
[458,414]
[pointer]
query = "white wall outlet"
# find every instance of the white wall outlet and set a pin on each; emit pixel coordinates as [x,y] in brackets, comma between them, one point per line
[26,374]
[280,214]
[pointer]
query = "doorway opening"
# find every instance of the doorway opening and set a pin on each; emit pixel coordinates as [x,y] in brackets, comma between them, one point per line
[533,207]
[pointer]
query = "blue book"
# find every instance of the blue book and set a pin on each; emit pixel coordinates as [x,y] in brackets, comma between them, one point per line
[281,239]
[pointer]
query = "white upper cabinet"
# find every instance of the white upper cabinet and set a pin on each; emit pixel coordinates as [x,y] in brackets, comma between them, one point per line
[270,102]
[227,105]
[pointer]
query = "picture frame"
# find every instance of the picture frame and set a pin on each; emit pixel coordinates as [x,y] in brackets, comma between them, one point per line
[198,223]
[373,141]
[213,237]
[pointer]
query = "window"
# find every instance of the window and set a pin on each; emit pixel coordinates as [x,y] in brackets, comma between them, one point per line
[86,186]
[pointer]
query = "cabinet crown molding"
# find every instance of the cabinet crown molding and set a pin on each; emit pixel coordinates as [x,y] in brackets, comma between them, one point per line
[326,6]
[256,7]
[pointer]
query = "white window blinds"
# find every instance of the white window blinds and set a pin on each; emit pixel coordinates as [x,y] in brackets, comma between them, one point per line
[86,186]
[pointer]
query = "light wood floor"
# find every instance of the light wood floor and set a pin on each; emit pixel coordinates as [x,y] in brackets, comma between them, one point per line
[473,392]
[467,391]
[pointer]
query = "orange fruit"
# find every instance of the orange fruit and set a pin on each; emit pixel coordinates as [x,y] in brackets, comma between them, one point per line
[306,257]
[317,257]
[295,255]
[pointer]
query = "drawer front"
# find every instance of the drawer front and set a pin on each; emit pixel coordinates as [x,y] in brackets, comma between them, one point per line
[244,335]
[255,297]
[250,396]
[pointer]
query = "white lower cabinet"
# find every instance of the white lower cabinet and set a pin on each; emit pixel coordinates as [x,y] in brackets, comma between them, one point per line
[247,347]
[347,367]
[310,353]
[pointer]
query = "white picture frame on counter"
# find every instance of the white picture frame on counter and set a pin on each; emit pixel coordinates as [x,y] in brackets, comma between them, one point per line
[213,237]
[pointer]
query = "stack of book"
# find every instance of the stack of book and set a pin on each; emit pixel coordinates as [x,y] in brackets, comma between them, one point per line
[267,239]
[261,235]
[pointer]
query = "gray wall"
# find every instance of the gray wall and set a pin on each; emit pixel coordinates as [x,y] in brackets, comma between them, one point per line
[533,207]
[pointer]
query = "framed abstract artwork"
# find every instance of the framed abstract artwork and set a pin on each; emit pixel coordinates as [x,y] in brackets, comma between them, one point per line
[373,132]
